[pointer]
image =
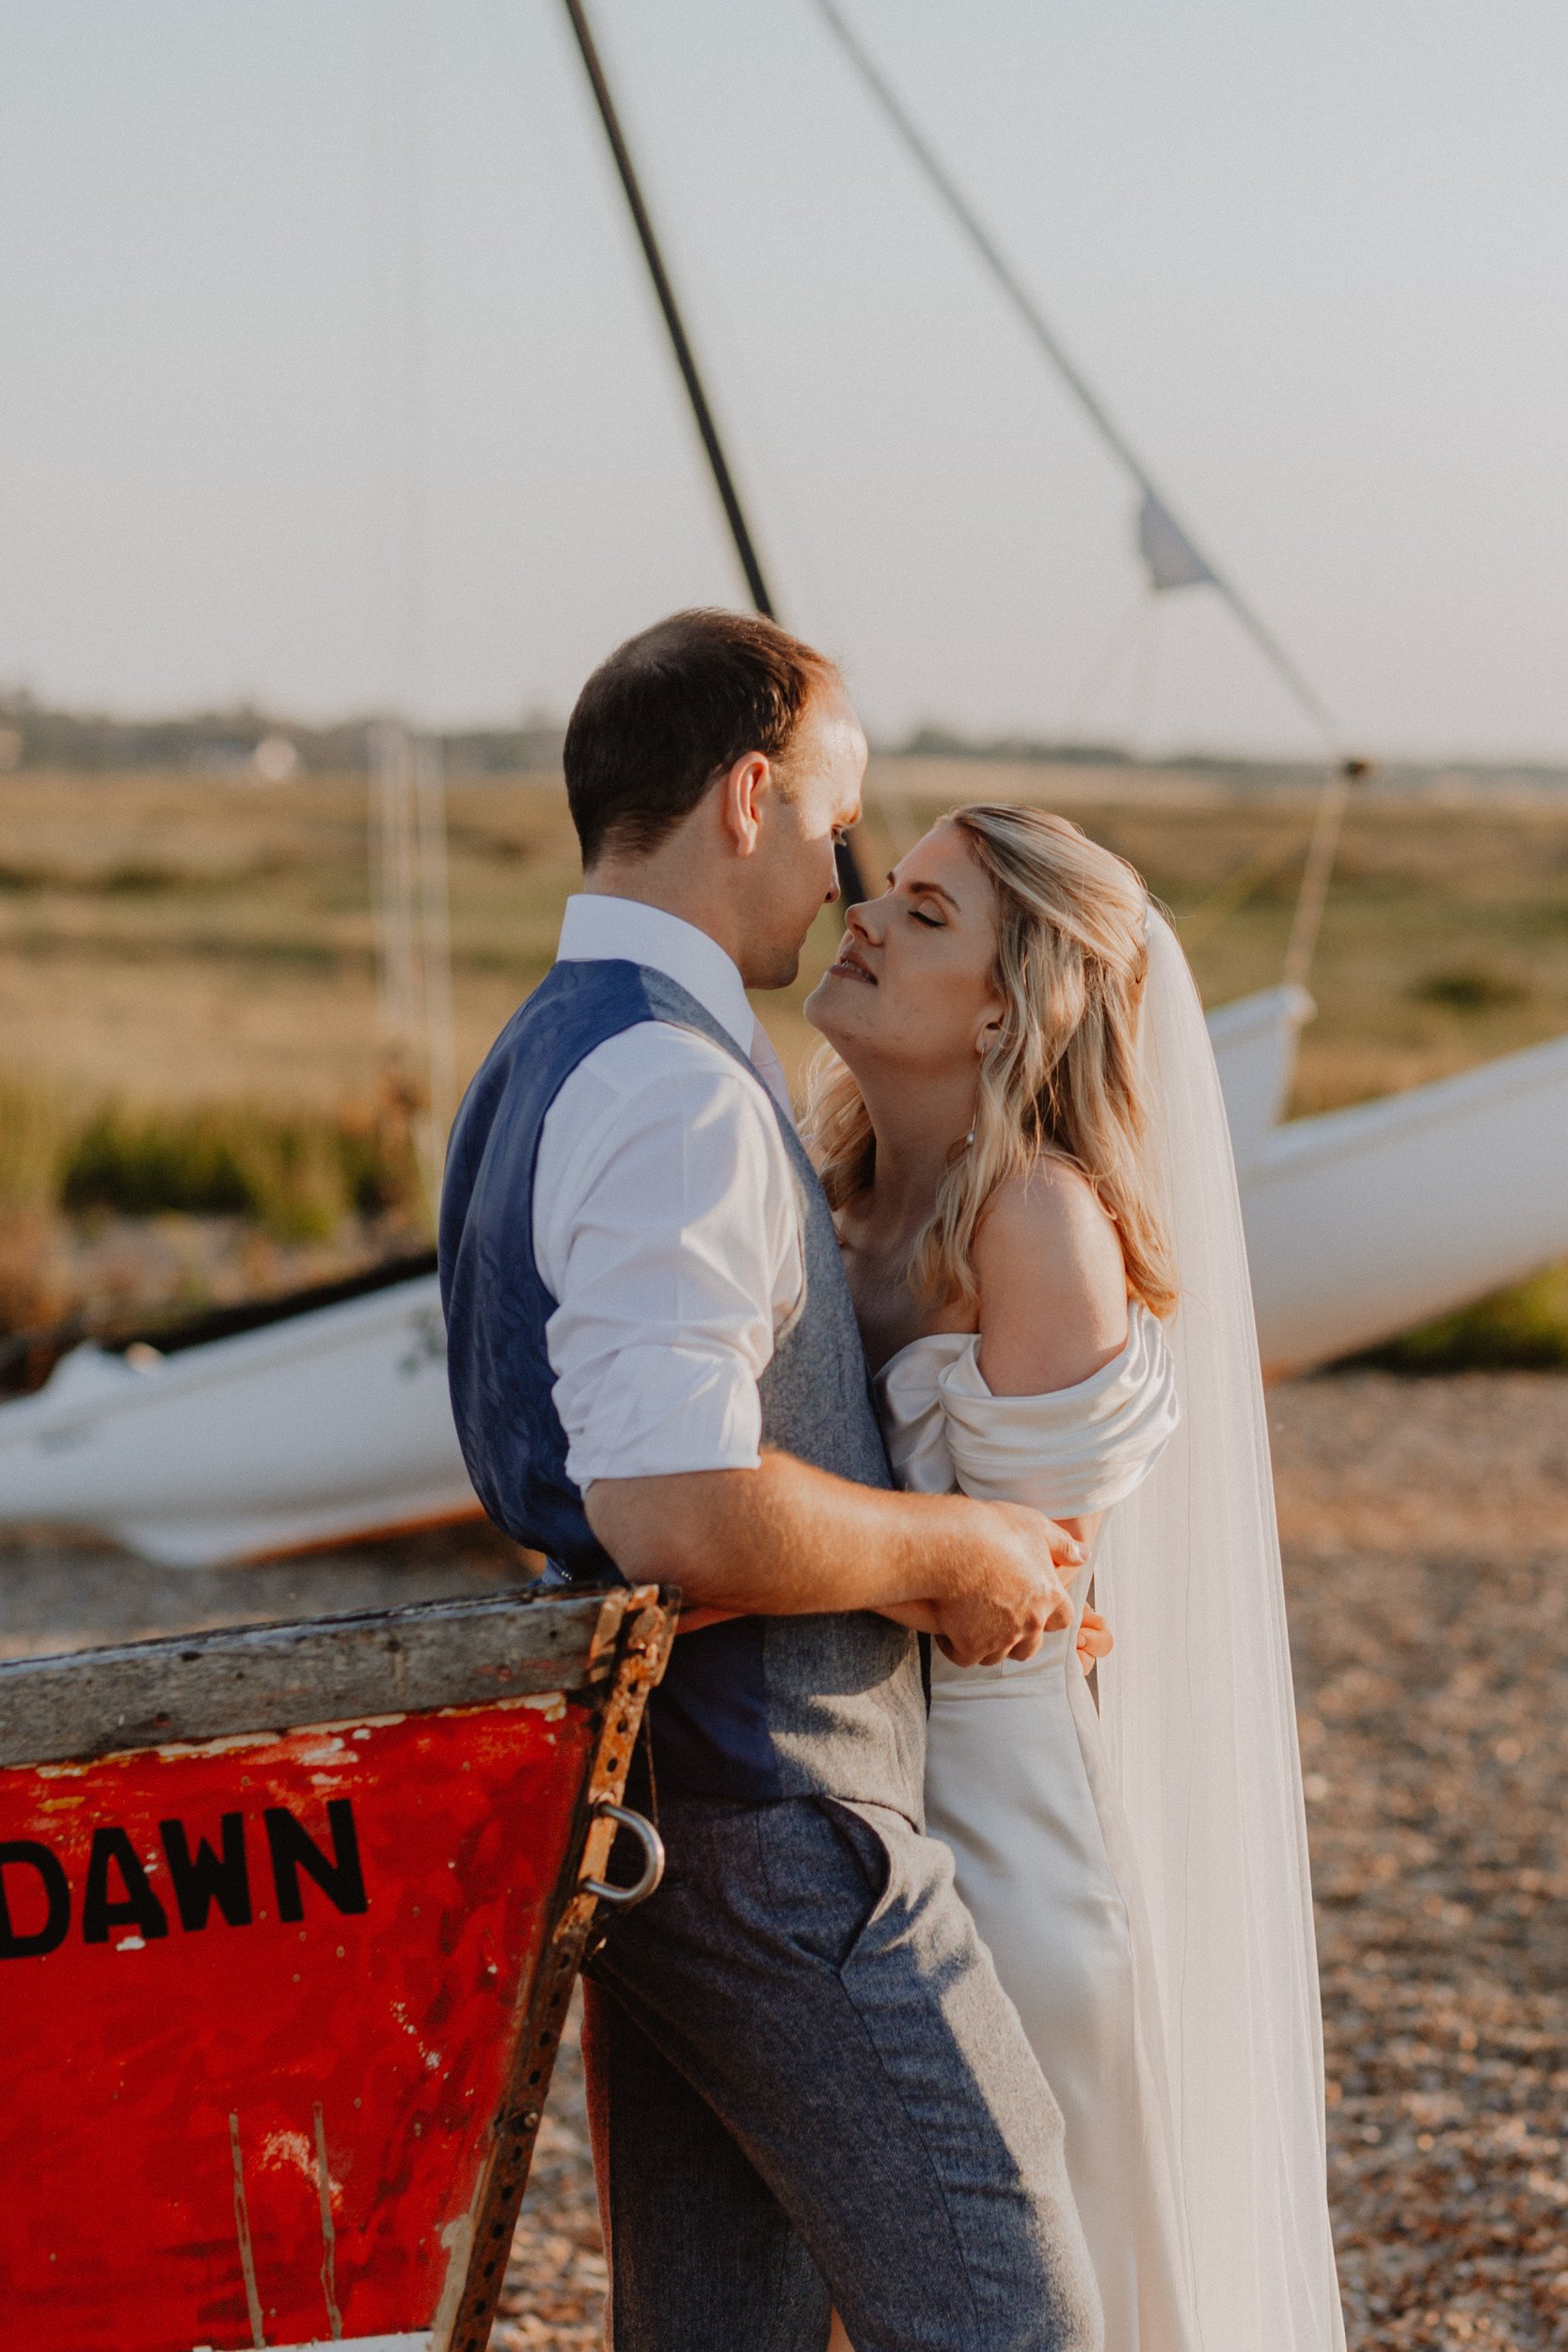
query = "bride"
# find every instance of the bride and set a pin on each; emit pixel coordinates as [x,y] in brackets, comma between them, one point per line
[1020,1129]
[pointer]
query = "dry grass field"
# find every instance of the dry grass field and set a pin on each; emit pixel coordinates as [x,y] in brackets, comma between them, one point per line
[171,940]
[191,1063]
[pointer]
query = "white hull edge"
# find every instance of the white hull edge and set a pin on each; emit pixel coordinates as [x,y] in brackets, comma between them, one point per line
[419,2343]
[174,1542]
[1254,1052]
[328,1426]
[1366,1222]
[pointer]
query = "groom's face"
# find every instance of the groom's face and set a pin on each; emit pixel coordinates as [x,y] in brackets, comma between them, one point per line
[815,797]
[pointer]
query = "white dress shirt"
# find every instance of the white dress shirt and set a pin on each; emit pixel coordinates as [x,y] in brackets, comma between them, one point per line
[664,1219]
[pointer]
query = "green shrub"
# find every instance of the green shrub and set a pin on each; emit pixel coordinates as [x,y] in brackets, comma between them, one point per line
[378,1166]
[35,1140]
[299,1176]
[138,879]
[1473,988]
[1524,1329]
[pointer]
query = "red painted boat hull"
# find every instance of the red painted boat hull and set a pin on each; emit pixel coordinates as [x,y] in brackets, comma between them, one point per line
[265,2000]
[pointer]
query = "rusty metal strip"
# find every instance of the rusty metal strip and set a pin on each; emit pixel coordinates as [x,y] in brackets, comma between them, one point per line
[647,1630]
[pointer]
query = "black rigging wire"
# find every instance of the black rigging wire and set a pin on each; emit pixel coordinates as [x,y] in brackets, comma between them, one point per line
[850,883]
[685,357]
[1028,310]
[1344,774]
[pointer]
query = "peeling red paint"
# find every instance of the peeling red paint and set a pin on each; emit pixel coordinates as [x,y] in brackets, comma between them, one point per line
[379,2036]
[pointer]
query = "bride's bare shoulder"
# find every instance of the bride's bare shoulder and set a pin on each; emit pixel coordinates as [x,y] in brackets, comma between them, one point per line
[1052,1283]
[1049,1220]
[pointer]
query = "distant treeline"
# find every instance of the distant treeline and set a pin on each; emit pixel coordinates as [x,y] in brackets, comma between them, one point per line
[250,744]
[246,742]
[934,743]
[940,743]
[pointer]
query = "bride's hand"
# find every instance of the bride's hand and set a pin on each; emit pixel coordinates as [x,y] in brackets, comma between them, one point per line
[1095,1640]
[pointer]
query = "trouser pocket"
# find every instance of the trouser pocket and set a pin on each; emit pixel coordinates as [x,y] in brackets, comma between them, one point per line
[827,1873]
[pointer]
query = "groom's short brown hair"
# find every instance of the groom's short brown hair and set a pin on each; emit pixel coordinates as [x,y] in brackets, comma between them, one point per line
[671,710]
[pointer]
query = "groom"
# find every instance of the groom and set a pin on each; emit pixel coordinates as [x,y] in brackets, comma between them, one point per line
[807,2085]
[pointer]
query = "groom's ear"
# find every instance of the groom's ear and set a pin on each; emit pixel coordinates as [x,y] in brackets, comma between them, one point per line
[741,792]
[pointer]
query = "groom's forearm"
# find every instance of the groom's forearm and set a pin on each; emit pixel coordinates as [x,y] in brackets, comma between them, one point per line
[781,1540]
[786,1539]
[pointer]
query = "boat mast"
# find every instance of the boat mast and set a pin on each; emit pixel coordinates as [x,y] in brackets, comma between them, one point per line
[407,777]
[850,883]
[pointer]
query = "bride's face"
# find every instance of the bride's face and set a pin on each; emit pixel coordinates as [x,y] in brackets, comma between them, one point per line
[912,988]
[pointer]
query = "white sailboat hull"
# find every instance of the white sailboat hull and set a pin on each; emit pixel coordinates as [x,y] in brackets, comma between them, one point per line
[331,1425]
[335,1423]
[1254,1052]
[1364,1223]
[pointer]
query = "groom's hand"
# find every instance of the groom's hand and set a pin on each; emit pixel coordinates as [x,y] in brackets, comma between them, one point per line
[1009,1594]
[786,1539]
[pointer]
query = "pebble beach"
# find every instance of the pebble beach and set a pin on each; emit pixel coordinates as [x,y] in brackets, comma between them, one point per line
[1426,1538]
[1425,1528]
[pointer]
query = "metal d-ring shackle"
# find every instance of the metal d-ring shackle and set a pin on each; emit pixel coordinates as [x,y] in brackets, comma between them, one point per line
[625,1897]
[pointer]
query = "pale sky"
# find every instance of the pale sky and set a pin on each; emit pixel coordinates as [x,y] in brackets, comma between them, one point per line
[1313,252]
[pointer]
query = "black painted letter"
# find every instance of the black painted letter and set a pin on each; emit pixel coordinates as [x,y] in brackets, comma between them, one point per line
[140,1908]
[340,1880]
[205,1880]
[56,1892]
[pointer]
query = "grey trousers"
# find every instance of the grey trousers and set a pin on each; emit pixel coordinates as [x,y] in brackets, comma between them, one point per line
[807,2087]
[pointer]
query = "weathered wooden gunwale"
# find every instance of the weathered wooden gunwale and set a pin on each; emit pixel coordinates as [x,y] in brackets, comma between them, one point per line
[278,1677]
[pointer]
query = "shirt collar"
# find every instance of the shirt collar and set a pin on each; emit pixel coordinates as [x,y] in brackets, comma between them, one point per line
[596,930]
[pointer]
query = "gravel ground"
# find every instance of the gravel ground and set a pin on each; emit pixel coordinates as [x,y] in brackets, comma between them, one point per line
[1426,1538]
[1426,1531]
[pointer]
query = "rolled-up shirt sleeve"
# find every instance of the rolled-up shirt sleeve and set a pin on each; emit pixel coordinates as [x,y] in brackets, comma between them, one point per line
[665,1229]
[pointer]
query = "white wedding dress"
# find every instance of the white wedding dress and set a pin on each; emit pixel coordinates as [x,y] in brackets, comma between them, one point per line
[1017,1783]
[1141,1877]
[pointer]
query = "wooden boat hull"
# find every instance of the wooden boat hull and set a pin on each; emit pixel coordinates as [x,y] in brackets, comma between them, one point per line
[289,1921]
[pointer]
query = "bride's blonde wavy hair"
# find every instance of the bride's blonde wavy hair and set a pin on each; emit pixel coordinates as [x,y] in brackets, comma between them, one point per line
[1061,1080]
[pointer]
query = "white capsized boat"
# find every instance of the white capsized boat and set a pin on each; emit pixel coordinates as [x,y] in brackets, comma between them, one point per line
[1363,1223]
[334,1422]
[323,1426]
[1255,1049]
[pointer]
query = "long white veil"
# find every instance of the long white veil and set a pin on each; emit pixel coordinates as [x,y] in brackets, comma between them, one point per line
[1198,1719]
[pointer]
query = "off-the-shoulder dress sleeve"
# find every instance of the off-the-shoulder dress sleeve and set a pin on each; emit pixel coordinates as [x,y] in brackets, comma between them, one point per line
[1068,1452]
